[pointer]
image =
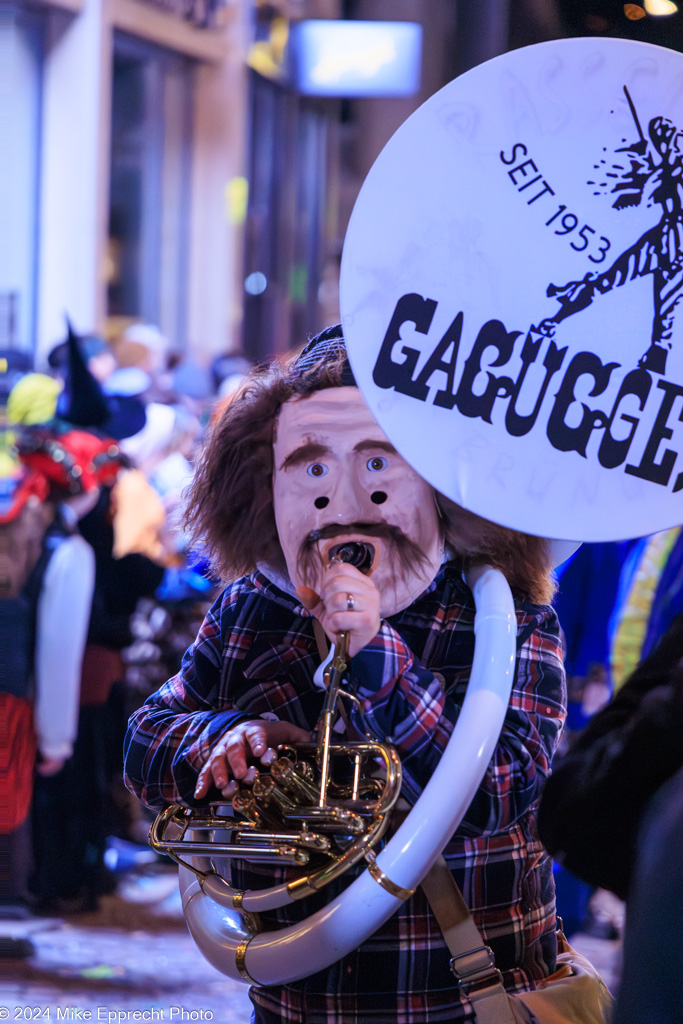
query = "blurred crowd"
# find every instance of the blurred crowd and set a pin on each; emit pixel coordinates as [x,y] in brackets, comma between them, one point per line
[616,603]
[101,592]
[611,813]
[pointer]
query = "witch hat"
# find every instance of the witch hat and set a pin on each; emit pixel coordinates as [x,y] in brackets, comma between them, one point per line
[83,403]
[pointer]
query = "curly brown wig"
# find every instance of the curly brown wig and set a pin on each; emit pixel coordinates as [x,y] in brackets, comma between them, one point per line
[229,505]
[524,560]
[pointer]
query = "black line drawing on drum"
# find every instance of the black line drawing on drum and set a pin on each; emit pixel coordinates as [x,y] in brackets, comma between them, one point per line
[654,176]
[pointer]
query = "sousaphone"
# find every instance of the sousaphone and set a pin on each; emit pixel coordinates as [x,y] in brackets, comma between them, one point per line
[509,291]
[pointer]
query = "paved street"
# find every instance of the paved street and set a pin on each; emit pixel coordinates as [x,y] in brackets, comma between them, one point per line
[135,954]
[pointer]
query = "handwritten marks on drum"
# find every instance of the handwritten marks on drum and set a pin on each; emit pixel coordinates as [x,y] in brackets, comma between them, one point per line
[524,175]
[525,304]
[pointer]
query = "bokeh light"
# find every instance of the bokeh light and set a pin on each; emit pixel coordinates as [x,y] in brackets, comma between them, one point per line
[256,283]
[660,8]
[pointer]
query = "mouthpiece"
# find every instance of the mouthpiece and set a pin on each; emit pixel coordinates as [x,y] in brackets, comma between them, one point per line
[354,552]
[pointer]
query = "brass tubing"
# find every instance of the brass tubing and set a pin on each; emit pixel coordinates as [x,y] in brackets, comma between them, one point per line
[268,794]
[279,845]
[356,777]
[329,819]
[245,805]
[325,759]
[334,675]
[312,883]
[286,775]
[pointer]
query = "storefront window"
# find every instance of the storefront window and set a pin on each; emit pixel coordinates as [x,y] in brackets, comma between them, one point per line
[149,188]
[284,236]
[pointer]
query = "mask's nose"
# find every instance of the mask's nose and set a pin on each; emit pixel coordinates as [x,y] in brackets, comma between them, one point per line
[348,500]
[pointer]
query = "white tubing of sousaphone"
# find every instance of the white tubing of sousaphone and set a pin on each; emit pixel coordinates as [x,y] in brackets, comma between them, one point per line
[300,950]
[449,249]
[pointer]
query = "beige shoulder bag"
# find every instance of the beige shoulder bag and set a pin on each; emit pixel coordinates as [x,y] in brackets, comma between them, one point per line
[574,994]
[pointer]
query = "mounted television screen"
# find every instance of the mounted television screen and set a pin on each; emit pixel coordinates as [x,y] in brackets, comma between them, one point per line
[356,58]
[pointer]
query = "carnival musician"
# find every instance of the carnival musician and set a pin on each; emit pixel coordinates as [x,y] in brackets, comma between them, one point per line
[295,467]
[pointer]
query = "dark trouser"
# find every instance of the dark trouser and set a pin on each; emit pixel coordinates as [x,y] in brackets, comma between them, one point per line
[15,864]
[653,944]
[70,815]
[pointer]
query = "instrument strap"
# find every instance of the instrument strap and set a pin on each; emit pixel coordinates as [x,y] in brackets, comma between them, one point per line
[472,962]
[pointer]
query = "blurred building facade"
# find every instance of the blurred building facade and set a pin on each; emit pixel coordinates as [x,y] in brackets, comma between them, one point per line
[126,124]
[167,167]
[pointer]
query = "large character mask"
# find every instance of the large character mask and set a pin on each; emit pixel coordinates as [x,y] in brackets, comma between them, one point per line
[337,479]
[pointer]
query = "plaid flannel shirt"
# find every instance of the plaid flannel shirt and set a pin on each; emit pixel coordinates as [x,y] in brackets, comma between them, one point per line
[256,654]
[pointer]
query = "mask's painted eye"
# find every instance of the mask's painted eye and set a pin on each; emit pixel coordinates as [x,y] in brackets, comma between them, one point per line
[317,469]
[377,463]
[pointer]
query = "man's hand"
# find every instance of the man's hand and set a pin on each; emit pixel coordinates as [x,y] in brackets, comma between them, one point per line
[348,601]
[228,759]
[48,766]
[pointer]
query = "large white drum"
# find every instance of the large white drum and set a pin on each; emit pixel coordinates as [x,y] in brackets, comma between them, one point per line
[512,286]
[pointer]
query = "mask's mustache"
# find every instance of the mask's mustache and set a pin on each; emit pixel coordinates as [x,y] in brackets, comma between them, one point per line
[310,559]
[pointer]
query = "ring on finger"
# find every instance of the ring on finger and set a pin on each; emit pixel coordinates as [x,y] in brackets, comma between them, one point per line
[350,602]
